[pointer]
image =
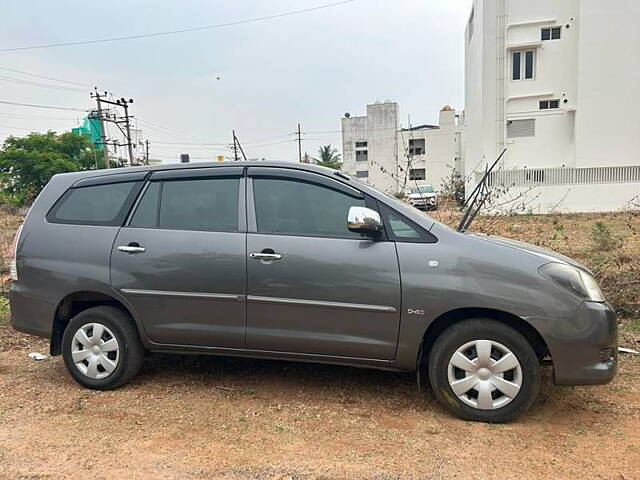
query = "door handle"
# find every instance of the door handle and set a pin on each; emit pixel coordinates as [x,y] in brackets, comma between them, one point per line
[132,249]
[265,257]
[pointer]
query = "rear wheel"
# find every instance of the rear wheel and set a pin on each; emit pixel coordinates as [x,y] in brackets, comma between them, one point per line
[483,370]
[101,348]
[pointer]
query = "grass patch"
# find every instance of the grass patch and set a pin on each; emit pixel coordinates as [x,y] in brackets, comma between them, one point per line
[634,325]
[4,310]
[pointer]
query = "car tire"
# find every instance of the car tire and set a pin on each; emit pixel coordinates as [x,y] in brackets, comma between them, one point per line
[484,370]
[101,348]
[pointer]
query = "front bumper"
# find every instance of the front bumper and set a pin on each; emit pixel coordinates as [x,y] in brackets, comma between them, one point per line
[423,203]
[584,348]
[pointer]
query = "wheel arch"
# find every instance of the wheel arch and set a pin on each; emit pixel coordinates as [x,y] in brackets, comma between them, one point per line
[444,321]
[72,305]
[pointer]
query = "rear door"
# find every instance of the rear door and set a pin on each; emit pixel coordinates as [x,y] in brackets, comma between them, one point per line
[313,286]
[180,259]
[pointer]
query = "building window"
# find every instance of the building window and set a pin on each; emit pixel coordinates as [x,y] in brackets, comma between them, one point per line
[362,155]
[417,174]
[416,146]
[362,174]
[551,33]
[470,29]
[521,128]
[522,65]
[549,104]
[361,144]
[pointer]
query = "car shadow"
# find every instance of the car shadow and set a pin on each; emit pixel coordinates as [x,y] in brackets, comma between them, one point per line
[261,375]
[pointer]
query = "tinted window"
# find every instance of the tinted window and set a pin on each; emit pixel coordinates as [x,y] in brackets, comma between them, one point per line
[209,204]
[299,208]
[401,229]
[147,210]
[528,64]
[516,65]
[94,205]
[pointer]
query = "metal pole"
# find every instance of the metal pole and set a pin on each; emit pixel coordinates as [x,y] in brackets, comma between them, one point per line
[235,147]
[129,142]
[299,144]
[103,136]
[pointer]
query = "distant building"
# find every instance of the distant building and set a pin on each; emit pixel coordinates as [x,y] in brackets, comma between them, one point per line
[378,151]
[556,83]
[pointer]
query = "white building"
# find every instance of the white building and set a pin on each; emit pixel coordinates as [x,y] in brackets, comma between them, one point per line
[556,83]
[377,150]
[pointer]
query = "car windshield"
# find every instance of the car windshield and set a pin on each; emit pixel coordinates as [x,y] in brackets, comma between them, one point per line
[422,189]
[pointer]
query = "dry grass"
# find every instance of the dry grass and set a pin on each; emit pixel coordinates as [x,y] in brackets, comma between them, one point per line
[614,257]
[276,420]
[9,223]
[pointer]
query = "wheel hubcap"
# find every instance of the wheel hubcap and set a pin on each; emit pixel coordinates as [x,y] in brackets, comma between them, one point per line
[95,351]
[485,374]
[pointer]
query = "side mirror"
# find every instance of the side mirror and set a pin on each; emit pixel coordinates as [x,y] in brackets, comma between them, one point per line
[364,220]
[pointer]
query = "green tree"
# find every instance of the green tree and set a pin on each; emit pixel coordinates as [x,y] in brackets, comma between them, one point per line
[27,163]
[329,157]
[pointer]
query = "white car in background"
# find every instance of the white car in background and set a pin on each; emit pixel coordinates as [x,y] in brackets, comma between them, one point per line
[423,197]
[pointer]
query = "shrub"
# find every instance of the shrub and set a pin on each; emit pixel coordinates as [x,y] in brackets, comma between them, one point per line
[603,239]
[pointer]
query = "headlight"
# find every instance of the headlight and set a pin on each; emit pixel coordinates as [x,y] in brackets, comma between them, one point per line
[573,279]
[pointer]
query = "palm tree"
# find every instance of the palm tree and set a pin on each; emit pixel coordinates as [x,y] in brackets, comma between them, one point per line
[329,157]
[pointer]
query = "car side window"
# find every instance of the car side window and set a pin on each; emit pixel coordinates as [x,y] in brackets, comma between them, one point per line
[401,229]
[146,214]
[296,207]
[191,204]
[93,205]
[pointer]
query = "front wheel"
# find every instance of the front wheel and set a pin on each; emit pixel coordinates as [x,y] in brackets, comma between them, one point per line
[101,348]
[483,370]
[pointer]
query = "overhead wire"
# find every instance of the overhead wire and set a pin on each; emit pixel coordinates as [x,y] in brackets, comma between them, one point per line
[6,102]
[30,83]
[30,74]
[175,32]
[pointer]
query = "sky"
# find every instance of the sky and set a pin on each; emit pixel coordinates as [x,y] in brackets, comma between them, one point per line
[260,79]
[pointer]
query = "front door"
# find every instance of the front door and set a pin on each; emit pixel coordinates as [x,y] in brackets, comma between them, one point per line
[181,258]
[313,286]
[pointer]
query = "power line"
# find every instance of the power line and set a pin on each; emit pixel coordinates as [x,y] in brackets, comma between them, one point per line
[175,32]
[35,117]
[30,83]
[45,77]
[43,106]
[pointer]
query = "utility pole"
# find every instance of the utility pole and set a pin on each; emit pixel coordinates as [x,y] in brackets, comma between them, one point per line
[239,146]
[146,154]
[235,147]
[299,133]
[124,104]
[128,127]
[103,136]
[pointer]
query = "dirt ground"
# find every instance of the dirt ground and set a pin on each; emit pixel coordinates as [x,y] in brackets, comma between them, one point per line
[210,417]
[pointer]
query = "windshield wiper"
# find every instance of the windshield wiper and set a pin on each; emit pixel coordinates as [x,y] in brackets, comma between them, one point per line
[476,200]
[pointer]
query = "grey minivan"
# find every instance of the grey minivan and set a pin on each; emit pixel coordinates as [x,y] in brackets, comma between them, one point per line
[297,262]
